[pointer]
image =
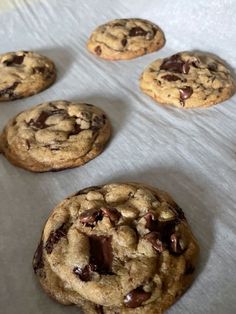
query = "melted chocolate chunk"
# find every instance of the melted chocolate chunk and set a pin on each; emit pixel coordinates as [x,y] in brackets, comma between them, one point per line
[179,212]
[212,67]
[136,297]
[175,246]
[39,123]
[15,60]
[189,268]
[39,70]
[56,235]
[90,217]
[112,214]
[99,309]
[185,93]
[85,274]
[124,42]
[151,223]
[76,130]
[86,190]
[175,64]
[98,50]
[137,31]
[9,90]
[171,78]
[101,255]
[154,238]
[38,258]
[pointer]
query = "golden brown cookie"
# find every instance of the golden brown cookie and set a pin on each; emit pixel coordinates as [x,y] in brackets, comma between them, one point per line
[118,248]
[55,135]
[24,73]
[188,80]
[124,39]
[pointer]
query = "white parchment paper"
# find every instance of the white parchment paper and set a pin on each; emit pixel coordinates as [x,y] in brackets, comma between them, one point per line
[189,153]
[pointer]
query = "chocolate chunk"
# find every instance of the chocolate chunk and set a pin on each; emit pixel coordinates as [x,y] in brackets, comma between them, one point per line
[212,67]
[98,50]
[99,309]
[86,190]
[56,235]
[154,238]
[175,64]
[137,31]
[178,211]
[101,255]
[15,60]
[124,42]
[185,93]
[90,217]
[189,268]
[151,222]
[175,247]
[38,70]
[171,77]
[9,90]
[38,258]
[39,123]
[76,130]
[136,297]
[112,214]
[85,274]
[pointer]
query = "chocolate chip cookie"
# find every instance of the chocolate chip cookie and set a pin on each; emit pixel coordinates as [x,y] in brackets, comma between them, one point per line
[55,135]
[124,39]
[118,248]
[188,80]
[24,73]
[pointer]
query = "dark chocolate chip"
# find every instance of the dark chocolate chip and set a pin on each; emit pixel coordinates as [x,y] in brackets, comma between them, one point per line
[85,274]
[38,258]
[9,90]
[185,93]
[137,31]
[99,309]
[98,50]
[136,297]
[15,60]
[212,67]
[175,64]
[90,217]
[86,190]
[175,247]
[39,123]
[56,235]
[177,210]
[101,255]
[151,222]
[41,70]
[189,268]
[112,214]
[76,130]
[171,77]
[124,42]
[154,238]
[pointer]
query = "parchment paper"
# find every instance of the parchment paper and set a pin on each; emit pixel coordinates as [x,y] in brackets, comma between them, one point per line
[189,153]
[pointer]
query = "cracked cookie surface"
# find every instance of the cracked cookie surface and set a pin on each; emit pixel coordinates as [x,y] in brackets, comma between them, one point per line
[124,39]
[119,249]
[55,135]
[23,74]
[188,80]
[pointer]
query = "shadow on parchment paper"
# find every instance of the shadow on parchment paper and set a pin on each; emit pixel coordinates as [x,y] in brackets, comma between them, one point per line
[117,109]
[191,194]
[61,56]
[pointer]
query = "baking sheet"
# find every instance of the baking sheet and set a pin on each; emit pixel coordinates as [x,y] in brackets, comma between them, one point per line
[189,153]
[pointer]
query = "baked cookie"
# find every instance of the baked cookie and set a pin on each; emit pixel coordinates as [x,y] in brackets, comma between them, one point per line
[125,39]
[119,248]
[188,80]
[55,135]
[24,73]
